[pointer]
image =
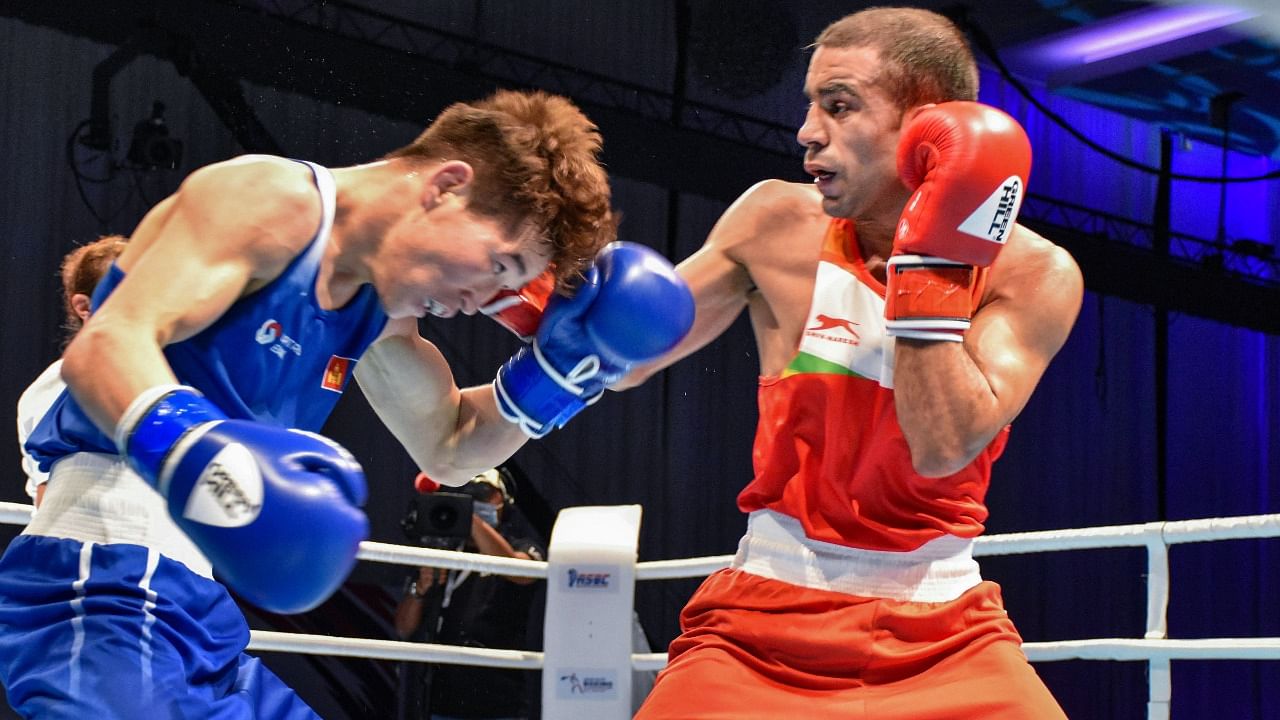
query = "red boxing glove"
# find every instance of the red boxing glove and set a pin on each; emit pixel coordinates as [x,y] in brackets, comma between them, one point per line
[520,311]
[968,164]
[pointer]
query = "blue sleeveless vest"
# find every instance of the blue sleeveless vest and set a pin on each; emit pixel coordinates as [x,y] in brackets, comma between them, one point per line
[275,356]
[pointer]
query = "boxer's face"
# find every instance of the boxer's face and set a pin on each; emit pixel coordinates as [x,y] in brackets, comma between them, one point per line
[850,134]
[450,260]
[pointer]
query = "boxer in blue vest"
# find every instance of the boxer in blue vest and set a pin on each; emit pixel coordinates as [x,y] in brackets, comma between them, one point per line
[219,343]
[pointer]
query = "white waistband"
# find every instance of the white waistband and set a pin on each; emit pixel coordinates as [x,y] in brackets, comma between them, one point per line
[94,497]
[776,547]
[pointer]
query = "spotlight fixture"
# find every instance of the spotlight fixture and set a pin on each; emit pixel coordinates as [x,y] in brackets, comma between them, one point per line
[152,148]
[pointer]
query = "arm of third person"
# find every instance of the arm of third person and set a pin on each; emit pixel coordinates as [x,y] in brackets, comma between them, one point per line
[491,542]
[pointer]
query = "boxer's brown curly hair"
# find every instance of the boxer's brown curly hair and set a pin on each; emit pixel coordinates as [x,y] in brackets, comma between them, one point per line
[536,160]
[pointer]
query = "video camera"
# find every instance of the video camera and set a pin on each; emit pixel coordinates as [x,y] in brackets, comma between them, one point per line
[440,520]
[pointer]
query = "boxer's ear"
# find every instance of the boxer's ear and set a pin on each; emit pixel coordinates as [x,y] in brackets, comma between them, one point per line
[452,177]
[80,305]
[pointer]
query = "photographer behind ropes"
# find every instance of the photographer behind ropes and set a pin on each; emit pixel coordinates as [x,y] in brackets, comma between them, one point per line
[469,608]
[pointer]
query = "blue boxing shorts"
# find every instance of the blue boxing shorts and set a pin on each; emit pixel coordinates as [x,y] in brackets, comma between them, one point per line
[120,632]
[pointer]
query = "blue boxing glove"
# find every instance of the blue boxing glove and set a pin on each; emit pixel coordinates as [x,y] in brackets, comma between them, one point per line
[275,510]
[631,308]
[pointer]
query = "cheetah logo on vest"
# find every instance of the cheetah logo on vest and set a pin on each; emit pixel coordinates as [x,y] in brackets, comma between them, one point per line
[825,323]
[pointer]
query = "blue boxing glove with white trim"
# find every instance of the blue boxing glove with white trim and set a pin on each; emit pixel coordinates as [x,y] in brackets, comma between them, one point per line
[631,308]
[277,511]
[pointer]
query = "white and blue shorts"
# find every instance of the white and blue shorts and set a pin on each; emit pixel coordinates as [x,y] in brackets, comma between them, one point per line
[120,632]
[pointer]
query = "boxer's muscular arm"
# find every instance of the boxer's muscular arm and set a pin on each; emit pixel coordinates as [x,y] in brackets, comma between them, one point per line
[588,341]
[719,281]
[952,398]
[452,434]
[228,226]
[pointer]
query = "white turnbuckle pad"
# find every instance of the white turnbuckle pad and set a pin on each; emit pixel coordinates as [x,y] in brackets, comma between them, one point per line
[590,596]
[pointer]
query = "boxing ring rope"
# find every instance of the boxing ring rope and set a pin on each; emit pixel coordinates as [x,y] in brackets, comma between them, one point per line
[15,513]
[1155,648]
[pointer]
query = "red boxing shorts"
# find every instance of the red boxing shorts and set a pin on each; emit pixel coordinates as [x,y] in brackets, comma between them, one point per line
[754,647]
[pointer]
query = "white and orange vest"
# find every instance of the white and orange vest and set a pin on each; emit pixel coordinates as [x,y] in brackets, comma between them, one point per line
[829,452]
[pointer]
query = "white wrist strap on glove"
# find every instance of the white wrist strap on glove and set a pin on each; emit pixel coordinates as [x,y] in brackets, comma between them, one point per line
[587,368]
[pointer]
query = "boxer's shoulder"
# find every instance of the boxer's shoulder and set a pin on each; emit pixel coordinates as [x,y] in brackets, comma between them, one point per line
[264,209]
[253,191]
[774,202]
[768,211]
[1032,266]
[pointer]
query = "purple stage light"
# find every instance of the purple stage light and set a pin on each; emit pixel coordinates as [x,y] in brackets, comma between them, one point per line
[1125,42]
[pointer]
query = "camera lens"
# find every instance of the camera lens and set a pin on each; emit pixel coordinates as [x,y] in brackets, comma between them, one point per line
[442,517]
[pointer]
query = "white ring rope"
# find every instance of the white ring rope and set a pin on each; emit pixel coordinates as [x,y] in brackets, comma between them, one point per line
[450,560]
[1155,649]
[270,641]
[1127,649]
[1112,536]
[684,568]
[15,513]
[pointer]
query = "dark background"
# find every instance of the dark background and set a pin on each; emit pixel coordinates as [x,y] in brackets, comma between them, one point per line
[1164,404]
